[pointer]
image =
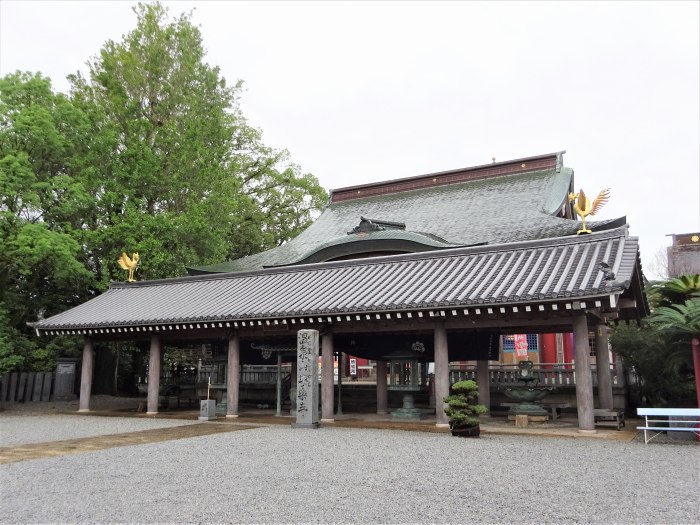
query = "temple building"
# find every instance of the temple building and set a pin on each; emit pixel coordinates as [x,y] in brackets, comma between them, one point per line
[463,266]
[683,255]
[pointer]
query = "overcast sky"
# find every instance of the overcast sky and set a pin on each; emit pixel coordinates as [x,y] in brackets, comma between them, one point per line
[367,91]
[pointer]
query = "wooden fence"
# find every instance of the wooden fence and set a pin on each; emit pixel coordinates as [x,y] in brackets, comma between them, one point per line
[26,386]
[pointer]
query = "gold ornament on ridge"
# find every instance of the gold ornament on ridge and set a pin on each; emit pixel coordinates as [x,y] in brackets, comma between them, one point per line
[129,264]
[583,206]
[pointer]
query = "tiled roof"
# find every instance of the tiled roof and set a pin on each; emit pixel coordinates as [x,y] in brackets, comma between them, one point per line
[557,269]
[495,210]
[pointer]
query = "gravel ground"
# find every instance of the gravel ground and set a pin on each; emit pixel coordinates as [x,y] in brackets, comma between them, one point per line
[278,474]
[98,402]
[23,430]
[19,427]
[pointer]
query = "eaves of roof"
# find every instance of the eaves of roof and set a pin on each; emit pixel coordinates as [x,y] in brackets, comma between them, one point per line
[527,272]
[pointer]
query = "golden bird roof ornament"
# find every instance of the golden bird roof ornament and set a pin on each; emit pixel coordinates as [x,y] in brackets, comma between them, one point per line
[584,207]
[129,264]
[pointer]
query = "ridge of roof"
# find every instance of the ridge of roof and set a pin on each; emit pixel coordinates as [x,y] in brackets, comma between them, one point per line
[440,178]
[367,261]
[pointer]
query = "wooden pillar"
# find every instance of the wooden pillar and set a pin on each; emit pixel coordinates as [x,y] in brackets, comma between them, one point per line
[414,373]
[294,373]
[568,339]
[233,377]
[153,375]
[695,346]
[584,379]
[483,380]
[278,406]
[442,374]
[86,376]
[327,377]
[602,359]
[382,390]
[341,370]
[548,349]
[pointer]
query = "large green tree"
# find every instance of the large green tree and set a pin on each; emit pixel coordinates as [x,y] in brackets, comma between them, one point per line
[179,173]
[148,153]
[41,269]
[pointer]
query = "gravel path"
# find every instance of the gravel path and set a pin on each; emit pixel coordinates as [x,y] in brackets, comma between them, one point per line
[23,430]
[281,475]
[97,402]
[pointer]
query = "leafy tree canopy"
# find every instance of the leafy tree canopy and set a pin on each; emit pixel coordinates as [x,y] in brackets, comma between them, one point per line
[148,153]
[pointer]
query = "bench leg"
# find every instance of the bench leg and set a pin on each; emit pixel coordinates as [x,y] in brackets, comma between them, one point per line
[646,424]
[653,435]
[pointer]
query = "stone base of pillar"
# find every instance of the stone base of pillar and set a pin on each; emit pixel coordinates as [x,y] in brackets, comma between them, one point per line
[84,410]
[382,412]
[232,415]
[442,425]
[521,421]
[530,419]
[327,420]
[305,425]
[151,413]
[583,431]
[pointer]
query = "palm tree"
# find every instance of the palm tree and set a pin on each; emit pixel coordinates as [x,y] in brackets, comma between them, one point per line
[679,315]
[676,290]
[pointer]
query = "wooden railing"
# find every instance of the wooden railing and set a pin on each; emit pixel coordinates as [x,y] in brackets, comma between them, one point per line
[250,374]
[35,387]
[554,374]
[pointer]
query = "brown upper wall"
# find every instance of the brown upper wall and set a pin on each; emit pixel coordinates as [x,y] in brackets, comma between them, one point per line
[496,169]
[686,239]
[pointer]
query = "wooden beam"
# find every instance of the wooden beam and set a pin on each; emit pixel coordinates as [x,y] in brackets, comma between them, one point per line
[627,303]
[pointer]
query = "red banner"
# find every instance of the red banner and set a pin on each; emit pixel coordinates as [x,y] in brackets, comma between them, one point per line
[520,341]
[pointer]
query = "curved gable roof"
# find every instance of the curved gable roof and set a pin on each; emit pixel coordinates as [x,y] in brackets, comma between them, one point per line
[513,205]
[379,242]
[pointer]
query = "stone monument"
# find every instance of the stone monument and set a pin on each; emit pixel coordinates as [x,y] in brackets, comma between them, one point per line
[207,407]
[207,410]
[65,379]
[307,380]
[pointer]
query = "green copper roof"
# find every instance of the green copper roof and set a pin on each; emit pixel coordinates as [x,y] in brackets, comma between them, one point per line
[495,210]
[396,241]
